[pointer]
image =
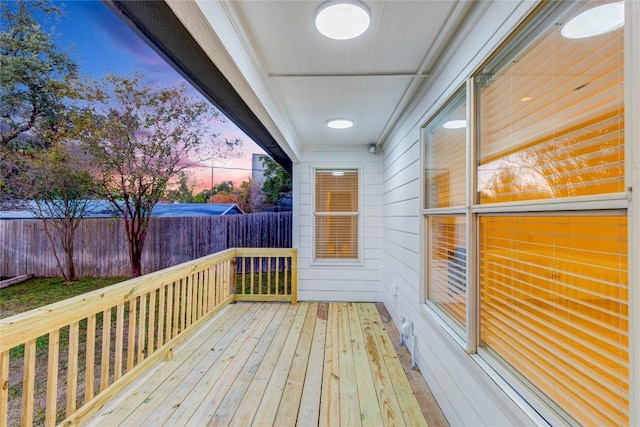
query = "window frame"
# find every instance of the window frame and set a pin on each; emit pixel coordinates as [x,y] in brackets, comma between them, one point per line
[359,261]
[461,333]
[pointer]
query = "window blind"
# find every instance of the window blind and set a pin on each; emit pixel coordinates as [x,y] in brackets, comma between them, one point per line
[554,306]
[551,120]
[336,214]
[448,264]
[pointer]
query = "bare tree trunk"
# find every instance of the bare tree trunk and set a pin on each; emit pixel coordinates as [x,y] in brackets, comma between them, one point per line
[69,249]
[55,252]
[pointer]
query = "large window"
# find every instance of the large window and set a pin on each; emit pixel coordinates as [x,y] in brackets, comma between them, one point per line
[337,215]
[547,217]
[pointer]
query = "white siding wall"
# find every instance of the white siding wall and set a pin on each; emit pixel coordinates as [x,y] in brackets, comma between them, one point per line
[339,282]
[466,394]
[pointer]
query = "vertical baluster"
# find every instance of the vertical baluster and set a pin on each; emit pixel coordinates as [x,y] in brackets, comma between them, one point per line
[117,371]
[142,317]
[210,289]
[277,275]
[252,273]
[72,368]
[28,382]
[201,300]
[176,309]
[52,378]
[161,315]
[189,302]
[171,314]
[105,360]
[194,297]
[90,358]
[183,304]
[244,275]
[269,275]
[260,275]
[131,338]
[217,284]
[4,387]
[151,327]
[287,285]
[204,298]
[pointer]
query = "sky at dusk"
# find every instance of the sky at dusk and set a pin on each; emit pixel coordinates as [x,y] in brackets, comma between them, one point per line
[101,43]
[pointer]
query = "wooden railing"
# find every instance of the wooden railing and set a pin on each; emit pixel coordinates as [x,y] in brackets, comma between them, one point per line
[61,362]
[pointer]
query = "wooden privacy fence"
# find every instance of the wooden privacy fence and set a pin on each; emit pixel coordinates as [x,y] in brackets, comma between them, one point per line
[61,362]
[101,245]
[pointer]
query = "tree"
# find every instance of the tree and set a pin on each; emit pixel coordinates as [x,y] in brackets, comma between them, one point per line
[183,193]
[223,187]
[277,181]
[56,189]
[250,198]
[139,138]
[34,74]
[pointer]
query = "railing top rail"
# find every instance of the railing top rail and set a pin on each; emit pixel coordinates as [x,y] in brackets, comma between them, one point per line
[23,327]
[265,252]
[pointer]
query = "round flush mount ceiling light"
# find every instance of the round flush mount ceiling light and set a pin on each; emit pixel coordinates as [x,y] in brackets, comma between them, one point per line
[595,21]
[340,123]
[455,124]
[342,20]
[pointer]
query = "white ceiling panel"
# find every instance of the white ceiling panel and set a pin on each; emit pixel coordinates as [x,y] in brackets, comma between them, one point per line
[312,78]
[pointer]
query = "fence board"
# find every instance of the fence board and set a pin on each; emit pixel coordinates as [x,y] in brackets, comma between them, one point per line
[101,244]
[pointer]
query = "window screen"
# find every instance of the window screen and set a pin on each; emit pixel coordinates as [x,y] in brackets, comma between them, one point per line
[336,214]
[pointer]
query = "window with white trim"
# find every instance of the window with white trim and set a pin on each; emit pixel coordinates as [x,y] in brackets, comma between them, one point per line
[337,215]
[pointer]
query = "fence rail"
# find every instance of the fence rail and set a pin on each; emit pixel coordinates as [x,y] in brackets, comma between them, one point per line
[101,247]
[99,342]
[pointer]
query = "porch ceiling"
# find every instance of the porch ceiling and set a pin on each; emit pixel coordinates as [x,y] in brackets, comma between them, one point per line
[270,68]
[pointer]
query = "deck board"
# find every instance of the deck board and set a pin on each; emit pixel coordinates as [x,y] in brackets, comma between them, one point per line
[265,364]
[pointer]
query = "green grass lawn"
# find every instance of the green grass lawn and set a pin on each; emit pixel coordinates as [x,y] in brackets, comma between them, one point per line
[41,291]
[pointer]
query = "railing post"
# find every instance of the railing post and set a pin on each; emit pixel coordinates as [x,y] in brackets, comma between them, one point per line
[234,276]
[294,276]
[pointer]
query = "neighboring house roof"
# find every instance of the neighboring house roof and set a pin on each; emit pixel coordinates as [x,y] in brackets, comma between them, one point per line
[195,209]
[103,209]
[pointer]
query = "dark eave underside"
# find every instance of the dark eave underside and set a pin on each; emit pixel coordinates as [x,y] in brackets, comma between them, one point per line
[160,28]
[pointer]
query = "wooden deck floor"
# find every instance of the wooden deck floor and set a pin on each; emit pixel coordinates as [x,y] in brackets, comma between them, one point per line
[327,364]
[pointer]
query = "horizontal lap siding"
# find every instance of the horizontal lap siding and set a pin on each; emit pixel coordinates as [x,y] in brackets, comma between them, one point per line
[340,282]
[466,394]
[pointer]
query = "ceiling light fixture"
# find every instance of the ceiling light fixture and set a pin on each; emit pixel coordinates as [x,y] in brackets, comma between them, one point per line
[340,123]
[595,21]
[455,124]
[342,20]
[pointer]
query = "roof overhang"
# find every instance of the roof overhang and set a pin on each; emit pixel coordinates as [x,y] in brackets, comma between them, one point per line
[158,25]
